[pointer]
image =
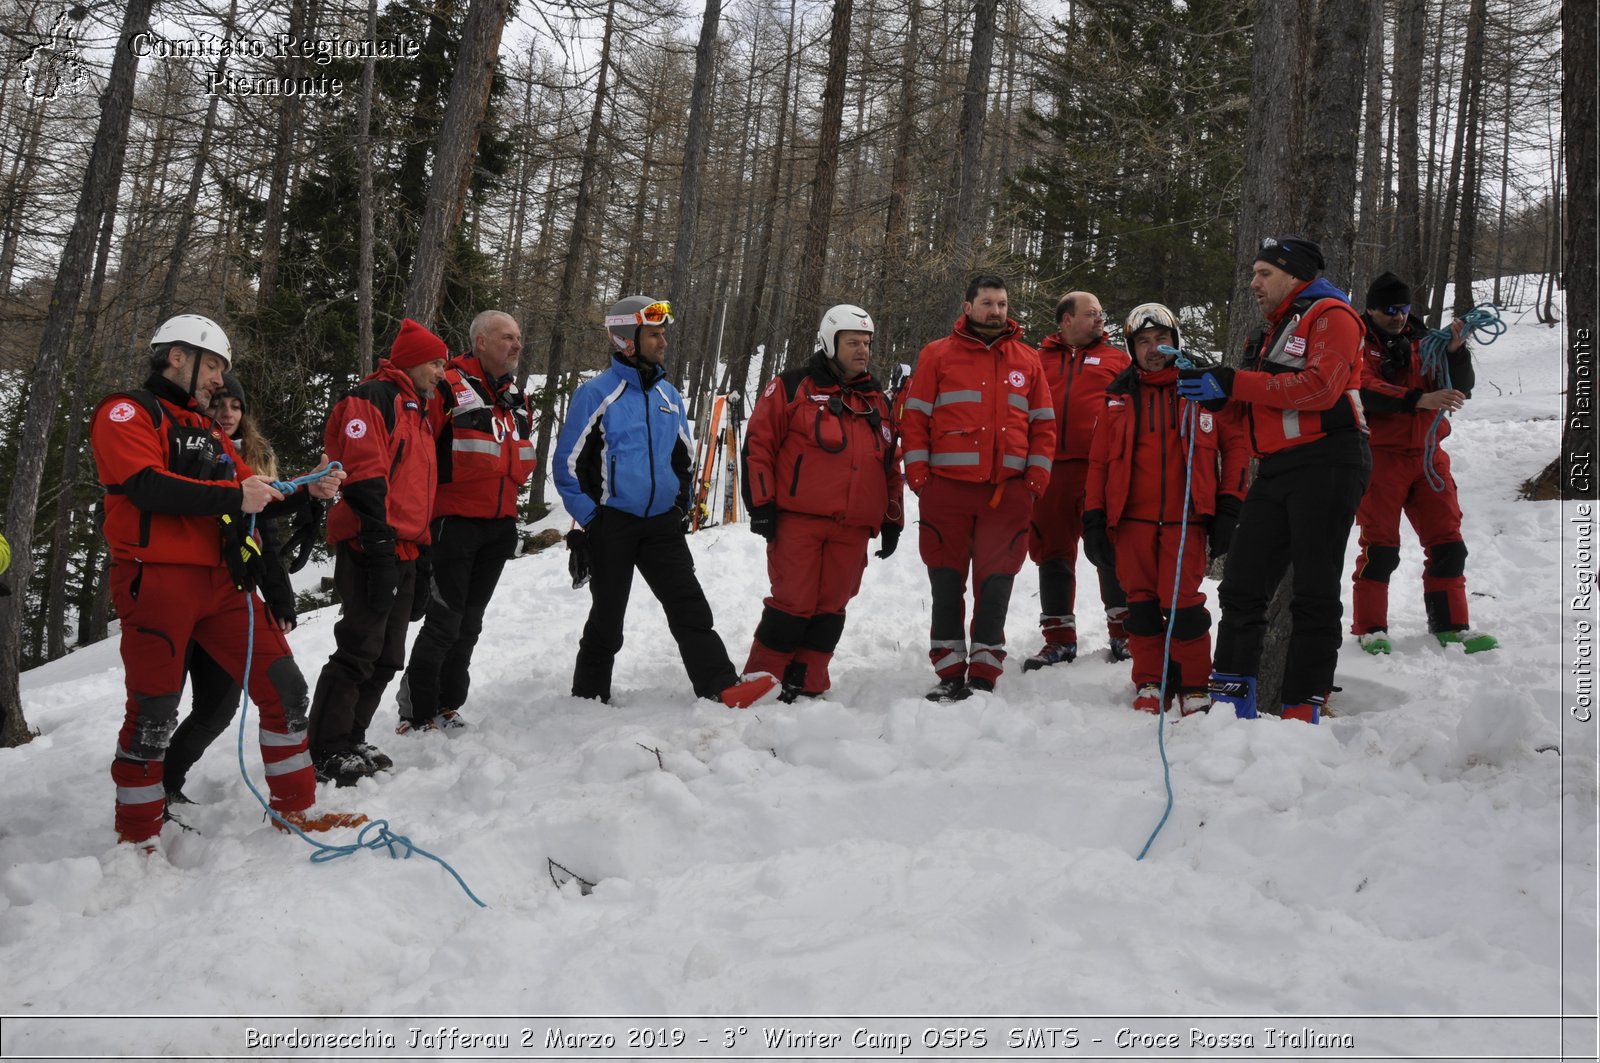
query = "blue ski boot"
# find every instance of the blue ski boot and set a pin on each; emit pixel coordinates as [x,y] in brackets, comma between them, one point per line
[1236,690]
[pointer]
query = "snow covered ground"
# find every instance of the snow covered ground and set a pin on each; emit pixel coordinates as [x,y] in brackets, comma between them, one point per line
[1428,853]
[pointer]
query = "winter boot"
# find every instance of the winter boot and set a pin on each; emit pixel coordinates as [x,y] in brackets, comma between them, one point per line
[1236,690]
[1193,701]
[1119,650]
[953,689]
[979,685]
[343,769]
[1307,711]
[375,757]
[413,727]
[1053,653]
[313,822]
[749,689]
[1375,642]
[177,797]
[1471,641]
[449,720]
[1148,699]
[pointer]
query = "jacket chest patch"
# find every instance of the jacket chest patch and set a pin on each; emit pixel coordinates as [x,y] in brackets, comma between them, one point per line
[1296,345]
[1206,422]
[466,397]
[1017,379]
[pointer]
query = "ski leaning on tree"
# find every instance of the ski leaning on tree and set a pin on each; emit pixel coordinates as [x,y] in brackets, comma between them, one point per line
[178,497]
[821,478]
[1079,362]
[379,530]
[622,468]
[1164,482]
[1297,396]
[482,425]
[979,434]
[1405,401]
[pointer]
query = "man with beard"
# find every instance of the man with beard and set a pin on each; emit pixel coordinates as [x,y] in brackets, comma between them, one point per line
[979,435]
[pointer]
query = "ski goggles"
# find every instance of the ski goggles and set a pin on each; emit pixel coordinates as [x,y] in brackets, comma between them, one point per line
[654,314]
[1149,315]
[1403,310]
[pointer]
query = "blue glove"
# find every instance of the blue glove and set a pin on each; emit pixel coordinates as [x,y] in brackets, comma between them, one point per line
[1205,385]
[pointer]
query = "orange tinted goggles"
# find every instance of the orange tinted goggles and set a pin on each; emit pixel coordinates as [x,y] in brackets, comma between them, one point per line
[654,314]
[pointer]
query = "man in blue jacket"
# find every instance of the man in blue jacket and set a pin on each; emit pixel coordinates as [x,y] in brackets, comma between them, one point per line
[622,467]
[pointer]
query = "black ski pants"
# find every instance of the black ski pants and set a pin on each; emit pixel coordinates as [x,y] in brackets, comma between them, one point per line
[370,647]
[468,556]
[1298,515]
[618,543]
[215,698]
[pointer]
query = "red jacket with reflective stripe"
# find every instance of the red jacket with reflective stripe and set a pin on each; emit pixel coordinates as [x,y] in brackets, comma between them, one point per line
[815,446]
[979,412]
[166,484]
[1078,377]
[1302,375]
[484,442]
[380,434]
[1137,466]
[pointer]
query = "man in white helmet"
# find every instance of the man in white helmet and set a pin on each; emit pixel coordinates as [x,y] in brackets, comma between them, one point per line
[821,478]
[622,467]
[178,500]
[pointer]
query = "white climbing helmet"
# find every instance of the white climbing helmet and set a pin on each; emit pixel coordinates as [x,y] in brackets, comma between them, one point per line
[192,330]
[846,317]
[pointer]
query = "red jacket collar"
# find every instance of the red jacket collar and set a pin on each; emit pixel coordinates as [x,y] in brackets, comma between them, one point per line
[1054,342]
[386,371]
[1011,331]
[1282,310]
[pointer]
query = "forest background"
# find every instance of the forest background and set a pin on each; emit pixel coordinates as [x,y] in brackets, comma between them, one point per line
[753,163]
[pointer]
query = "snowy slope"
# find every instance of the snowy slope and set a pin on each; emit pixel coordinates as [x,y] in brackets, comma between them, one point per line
[872,853]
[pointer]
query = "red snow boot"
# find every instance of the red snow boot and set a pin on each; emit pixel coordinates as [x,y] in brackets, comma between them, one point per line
[749,689]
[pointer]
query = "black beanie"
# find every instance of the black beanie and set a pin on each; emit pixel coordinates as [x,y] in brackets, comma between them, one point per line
[1294,255]
[231,388]
[1388,290]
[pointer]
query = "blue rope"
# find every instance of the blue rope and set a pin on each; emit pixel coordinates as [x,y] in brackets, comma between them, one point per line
[1480,321]
[1186,426]
[375,834]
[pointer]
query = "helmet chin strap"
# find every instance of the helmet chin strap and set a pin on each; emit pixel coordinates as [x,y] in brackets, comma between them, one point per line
[194,372]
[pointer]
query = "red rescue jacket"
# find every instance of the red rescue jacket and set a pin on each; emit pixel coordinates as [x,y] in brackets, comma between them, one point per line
[380,434]
[1302,373]
[483,434]
[821,446]
[1078,377]
[1137,465]
[978,412]
[1392,381]
[168,474]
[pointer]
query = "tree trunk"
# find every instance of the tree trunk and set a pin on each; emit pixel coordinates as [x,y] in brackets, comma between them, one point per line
[961,230]
[105,160]
[1333,121]
[364,307]
[72,447]
[577,242]
[892,263]
[1406,253]
[453,152]
[814,256]
[278,193]
[1472,163]
[694,150]
[1374,157]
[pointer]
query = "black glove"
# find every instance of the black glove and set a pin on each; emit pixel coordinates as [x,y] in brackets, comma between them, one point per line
[277,594]
[303,535]
[578,556]
[1222,525]
[684,520]
[764,521]
[1209,387]
[422,592]
[891,539]
[1096,543]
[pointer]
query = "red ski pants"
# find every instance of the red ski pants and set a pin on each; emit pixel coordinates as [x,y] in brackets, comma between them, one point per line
[981,527]
[1400,485]
[1147,566]
[815,565]
[1053,536]
[163,609]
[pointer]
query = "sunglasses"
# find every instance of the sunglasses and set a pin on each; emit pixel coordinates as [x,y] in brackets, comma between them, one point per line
[1404,310]
[654,314]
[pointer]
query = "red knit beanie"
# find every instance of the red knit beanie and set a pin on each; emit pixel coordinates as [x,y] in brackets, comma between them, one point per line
[416,346]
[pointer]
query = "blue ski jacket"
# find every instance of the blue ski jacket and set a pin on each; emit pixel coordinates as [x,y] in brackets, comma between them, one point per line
[625,444]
